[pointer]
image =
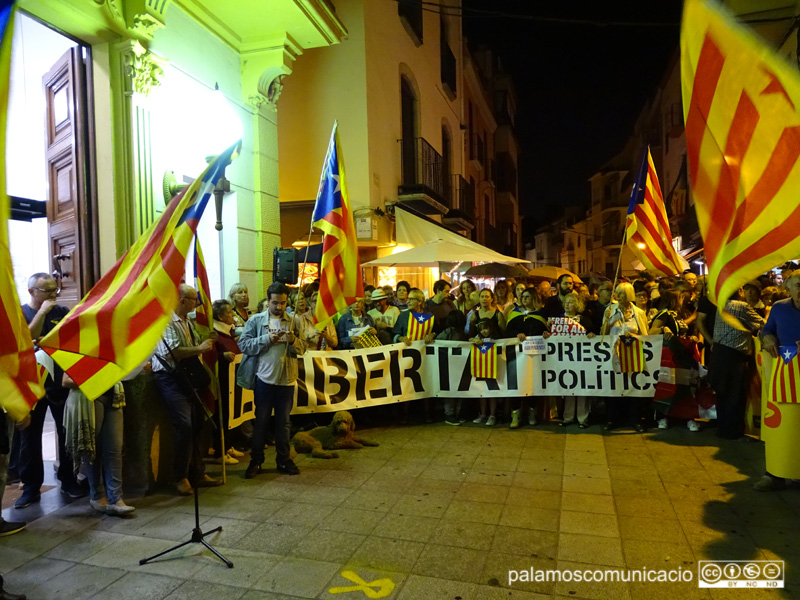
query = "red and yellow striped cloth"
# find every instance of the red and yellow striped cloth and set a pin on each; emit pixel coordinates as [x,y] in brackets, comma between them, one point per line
[483,360]
[785,379]
[118,324]
[419,325]
[630,351]
[740,102]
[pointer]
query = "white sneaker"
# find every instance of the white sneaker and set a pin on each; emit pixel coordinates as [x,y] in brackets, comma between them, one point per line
[662,423]
[491,421]
[693,425]
[119,508]
[100,506]
[479,420]
[228,459]
[234,453]
[514,419]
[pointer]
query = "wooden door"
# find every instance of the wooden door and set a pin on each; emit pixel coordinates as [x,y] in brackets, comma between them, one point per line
[71,203]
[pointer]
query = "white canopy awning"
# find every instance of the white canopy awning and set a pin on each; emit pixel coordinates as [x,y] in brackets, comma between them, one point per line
[433,244]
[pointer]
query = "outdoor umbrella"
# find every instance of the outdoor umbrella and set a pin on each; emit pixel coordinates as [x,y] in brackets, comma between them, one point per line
[550,272]
[432,253]
[496,270]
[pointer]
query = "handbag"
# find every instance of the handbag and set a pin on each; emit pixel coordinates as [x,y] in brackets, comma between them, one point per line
[194,369]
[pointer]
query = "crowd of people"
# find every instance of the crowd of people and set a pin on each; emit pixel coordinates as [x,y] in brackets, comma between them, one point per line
[282,327]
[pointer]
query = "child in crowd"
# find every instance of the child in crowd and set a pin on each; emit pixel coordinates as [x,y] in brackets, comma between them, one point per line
[485,327]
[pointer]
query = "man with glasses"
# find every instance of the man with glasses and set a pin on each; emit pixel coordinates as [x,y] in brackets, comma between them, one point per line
[43,313]
[181,338]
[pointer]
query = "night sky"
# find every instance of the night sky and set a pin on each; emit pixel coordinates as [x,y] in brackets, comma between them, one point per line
[580,86]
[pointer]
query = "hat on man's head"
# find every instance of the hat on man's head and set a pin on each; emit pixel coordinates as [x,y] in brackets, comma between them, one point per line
[379,295]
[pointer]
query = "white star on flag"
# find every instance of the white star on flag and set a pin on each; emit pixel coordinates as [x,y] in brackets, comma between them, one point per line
[787,355]
[338,187]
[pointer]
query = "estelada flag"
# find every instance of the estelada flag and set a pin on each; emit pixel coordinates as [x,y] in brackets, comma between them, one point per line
[630,351]
[21,384]
[740,102]
[785,377]
[483,360]
[419,325]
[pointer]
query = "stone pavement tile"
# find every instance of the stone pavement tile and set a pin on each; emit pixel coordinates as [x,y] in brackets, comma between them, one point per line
[642,488]
[448,562]
[477,492]
[535,498]
[589,524]
[590,503]
[417,587]
[170,525]
[633,472]
[203,590]
[231,506]
[606,590]
[546,467]
[625,458]
[35,541]
[766,516]
[406,527]
[248,567]
[487,592]
[437,486]
[711,512]
[360,463]
[586,455]
[11,558]
[464,534]
[464,461]
[496,572]
[302,514]
[461,445]
[140,586]
[127,551]
[83,545]
[648,528]
[371,500]
[444,473]
[590,549]
[423,505]
[343,479]
[130,524]
[298,577]
[530,518]
[752,594]
[496,463]
[595,471]
[543,454]
[479,512]
[537,481]
[39,571]
[395,582]
[274,538]
[387,482]
[526,542]
[233,530]
[76,583]
[352,520]
[657,508]
[490,477]
[506,448]
[689,590]
[386,554]
[586,485]
[328,546]
[312,470]
[780,540]
[658,555]
[325,494]
[734,543]
[280,490]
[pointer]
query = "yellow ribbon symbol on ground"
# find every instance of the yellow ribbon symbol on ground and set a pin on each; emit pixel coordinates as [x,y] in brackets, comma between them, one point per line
[384,586]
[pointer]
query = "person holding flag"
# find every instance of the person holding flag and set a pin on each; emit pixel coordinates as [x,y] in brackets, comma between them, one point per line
[412,326]
[781,338]
[483,365]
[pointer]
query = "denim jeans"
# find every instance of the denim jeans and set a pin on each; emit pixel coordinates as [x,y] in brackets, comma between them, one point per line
[109,426]
[269,397]
[179,408]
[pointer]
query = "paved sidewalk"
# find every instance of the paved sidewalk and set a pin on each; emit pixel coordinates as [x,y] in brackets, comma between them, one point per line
[436,512]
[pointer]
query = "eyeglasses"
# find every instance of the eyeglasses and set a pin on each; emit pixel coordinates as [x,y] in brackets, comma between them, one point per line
[47,290]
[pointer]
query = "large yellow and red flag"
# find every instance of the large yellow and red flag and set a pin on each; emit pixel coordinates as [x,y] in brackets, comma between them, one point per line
[740,104]
[340,270]
[647,229]
[20,383]
[117,325]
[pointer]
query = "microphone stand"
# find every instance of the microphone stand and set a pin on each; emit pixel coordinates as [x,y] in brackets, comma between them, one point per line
[198,537]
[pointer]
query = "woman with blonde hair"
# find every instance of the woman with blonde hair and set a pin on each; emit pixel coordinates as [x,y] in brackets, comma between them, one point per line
[467,297]
[240,300]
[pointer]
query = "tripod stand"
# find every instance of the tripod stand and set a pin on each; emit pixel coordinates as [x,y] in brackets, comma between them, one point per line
[198,536]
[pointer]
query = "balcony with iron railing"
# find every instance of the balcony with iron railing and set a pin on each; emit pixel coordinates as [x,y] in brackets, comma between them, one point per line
[424,181]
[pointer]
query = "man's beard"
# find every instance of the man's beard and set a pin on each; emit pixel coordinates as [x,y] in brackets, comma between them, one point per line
[276,312]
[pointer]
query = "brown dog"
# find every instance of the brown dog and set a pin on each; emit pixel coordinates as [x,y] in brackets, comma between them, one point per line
[339,435]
